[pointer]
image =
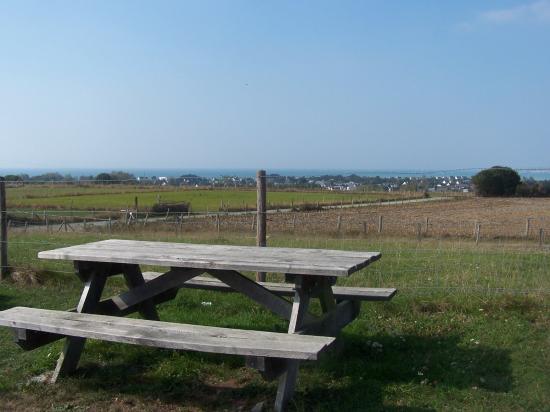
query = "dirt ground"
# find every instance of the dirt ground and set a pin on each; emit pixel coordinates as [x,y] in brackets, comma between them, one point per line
[495,217]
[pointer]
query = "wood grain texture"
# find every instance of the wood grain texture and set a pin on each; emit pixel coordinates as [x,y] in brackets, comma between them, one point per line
[320,262]
[167,335]
[31,339]
[287,289]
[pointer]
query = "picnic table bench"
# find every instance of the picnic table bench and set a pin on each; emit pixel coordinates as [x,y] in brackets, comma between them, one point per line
[309,273]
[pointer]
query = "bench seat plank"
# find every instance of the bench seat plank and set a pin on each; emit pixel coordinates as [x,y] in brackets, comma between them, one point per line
[320,262]
[287,289]
[168,335]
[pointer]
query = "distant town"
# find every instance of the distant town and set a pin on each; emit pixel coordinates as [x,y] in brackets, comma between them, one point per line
[325,182]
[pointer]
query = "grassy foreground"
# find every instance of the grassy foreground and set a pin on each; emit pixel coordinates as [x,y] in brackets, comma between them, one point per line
[446,342]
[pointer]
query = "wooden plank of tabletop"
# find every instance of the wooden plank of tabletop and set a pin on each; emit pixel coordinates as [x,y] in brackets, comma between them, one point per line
[319,262]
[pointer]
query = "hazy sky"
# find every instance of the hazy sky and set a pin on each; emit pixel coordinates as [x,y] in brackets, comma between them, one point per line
[312,84]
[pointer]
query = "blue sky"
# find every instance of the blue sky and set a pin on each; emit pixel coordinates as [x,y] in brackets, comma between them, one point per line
[298,84]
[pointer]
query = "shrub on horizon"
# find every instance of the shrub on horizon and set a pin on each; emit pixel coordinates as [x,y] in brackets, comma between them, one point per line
[496,181]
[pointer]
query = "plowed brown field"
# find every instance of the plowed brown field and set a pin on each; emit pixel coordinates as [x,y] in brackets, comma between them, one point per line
[497,218]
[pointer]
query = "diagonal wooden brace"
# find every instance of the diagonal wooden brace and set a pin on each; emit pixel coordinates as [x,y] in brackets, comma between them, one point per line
[258,293]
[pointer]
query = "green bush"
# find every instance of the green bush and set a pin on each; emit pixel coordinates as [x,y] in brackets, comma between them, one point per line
[496,181]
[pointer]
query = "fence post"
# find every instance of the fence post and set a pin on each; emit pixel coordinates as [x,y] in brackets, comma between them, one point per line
[478,230]
[541,237]
[419,231]
[365,228]
[339,223]
[261,215]
[380,223]
[427,225]
[4,270]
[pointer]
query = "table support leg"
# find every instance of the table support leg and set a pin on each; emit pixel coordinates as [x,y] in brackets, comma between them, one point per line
[68,360]
[134,278]
[287,381]
[326,296]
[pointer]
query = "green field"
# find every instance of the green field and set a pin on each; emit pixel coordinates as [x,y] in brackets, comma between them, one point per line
[111,197]
[452,339]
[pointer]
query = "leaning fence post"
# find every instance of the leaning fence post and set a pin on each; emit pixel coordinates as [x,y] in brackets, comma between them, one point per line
[4,269]
[261,215]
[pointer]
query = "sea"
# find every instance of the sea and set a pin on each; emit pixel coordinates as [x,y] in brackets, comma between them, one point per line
[531,173]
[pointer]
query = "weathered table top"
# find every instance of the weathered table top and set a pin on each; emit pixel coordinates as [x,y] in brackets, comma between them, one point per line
[319,262]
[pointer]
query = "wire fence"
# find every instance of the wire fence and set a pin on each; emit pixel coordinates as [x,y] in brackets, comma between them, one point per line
[400,221]
[432,264]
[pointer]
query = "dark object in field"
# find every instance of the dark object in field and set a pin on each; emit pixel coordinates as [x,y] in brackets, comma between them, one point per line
[161,208]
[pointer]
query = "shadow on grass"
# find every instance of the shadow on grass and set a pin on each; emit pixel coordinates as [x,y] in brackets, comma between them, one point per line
[363,369]
[353,380]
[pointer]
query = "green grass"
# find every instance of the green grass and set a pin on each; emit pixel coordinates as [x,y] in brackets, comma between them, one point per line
[119,197]
[449,340]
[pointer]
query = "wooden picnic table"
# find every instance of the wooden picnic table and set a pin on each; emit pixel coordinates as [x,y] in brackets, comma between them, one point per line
[309,273]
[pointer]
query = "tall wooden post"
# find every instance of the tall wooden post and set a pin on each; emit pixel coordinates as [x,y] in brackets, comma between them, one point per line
[3,231]
[261,215]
